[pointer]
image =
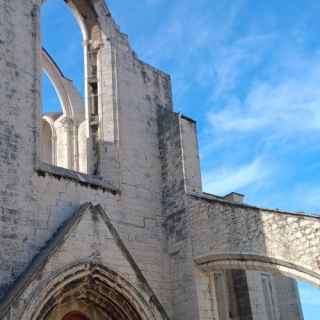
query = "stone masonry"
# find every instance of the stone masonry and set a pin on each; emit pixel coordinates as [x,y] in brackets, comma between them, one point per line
[101,207]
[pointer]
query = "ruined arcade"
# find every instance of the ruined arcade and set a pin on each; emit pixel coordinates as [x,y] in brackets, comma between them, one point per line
[102,214]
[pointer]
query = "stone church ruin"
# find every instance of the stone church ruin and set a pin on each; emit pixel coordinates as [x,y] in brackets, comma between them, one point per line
[102,213]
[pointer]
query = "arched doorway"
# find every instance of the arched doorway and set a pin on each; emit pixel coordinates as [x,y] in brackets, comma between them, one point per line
[75,315]
[87,69]
[92,292]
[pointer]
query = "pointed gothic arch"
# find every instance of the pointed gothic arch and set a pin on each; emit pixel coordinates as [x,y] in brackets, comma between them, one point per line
[89,290]
[59,146]
[69,98]
[90,14]
[97,28]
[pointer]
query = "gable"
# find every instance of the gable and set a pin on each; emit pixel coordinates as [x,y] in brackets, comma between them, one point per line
[87,237]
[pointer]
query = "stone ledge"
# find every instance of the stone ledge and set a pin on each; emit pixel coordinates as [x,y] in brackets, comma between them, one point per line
[90,181]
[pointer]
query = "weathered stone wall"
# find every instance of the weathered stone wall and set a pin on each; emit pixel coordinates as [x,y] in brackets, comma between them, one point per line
[33,206]
[148,164]
[239,235]
[180,173]
[171,162]
[86,247]
[20,111]
[220,235]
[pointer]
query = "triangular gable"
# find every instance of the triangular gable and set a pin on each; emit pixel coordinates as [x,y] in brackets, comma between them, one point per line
[82,229]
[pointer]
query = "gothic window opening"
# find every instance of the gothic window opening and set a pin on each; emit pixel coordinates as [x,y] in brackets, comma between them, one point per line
[63,106]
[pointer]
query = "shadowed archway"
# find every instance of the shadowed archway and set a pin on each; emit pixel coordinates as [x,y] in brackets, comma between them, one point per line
[97,28]
[90,291]
[75,315]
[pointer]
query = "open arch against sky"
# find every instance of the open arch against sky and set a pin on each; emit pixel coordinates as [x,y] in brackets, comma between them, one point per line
[62,38]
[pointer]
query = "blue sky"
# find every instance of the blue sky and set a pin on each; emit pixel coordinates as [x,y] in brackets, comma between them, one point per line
[247,71]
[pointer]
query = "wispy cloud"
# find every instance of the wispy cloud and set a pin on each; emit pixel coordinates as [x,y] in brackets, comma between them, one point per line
[278,115]
[223,180]
[261,94]
[249,76]
[186,37]
[286,105]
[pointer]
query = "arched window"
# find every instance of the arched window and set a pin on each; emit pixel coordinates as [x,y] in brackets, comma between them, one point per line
[61,120]
[76,48]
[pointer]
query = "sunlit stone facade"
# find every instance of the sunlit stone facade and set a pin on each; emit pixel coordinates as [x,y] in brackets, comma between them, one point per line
[102,214]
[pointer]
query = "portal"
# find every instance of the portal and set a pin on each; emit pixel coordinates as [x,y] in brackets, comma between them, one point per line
[75,316]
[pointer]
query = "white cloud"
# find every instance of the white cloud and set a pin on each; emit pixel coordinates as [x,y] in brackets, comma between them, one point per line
[263,92]
[223,180]
[193,45]
[279,117]
[284,105]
